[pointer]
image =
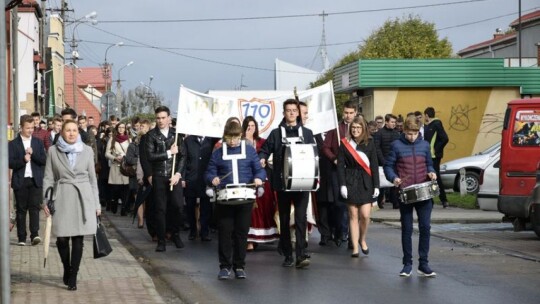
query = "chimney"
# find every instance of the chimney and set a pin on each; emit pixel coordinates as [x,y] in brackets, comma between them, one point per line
[498,33]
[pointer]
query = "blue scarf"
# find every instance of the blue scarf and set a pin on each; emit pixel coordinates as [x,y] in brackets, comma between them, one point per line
[71,150]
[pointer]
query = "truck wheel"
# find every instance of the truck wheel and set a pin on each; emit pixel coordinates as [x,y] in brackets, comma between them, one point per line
[535,218]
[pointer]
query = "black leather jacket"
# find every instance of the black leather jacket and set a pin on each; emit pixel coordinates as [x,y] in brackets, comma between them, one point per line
[156,146]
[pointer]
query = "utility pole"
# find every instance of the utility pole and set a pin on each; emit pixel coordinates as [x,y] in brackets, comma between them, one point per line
[519,32]
[5,275]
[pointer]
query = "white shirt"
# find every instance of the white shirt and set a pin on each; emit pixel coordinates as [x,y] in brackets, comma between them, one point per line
[27,144]
[165,133]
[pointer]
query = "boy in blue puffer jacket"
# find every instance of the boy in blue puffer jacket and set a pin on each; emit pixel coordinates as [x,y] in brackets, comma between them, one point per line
[408,163]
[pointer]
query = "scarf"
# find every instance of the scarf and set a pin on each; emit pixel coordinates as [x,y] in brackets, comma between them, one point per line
[121,138]
[71,150]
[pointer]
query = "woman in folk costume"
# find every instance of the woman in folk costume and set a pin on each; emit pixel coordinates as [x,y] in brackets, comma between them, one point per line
[263,226]
[70,171]
[115,152]
[235,162]
[358,177]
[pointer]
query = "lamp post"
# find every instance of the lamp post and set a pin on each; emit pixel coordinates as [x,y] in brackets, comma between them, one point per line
[75,55]
[118,84]
[107,66]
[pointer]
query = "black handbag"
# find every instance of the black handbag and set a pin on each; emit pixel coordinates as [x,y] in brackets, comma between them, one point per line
[102,247]
[127,170]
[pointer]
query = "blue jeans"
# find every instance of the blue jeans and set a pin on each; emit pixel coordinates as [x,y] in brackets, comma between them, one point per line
[423,211]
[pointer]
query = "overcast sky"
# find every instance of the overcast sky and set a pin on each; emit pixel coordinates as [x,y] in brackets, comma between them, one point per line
[150,44]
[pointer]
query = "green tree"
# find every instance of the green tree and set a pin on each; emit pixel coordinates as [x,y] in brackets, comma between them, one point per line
[406,38]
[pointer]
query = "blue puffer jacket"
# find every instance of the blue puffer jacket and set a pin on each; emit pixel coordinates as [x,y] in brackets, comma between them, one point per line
[409,161]
[248,168]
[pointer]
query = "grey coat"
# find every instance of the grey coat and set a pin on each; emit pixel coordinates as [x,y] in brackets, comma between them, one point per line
[76,192]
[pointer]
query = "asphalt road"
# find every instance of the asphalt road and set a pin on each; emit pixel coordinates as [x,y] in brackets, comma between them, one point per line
[470,270]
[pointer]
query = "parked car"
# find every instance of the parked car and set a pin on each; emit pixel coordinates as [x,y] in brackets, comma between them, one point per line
[489,185]
[473,166]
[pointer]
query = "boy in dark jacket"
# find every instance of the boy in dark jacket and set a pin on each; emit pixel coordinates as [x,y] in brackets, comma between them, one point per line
[437,138]
[289,130]
[409,163]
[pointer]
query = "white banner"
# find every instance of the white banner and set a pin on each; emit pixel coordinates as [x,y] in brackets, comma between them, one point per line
[205,115]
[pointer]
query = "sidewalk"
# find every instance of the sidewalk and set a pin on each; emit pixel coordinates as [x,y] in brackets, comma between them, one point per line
[117,278]
[441,215]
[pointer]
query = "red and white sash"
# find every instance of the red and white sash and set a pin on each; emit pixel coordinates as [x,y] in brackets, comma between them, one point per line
[355,155]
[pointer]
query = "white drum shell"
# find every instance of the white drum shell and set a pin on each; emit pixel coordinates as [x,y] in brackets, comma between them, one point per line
[236,194]
[301,167]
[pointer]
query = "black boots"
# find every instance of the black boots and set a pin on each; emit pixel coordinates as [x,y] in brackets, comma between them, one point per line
[63,250]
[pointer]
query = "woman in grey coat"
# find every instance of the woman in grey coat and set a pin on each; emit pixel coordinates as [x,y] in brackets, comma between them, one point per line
[70,171]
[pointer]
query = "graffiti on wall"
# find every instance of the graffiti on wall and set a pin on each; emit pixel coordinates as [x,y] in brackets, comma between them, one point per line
[492,123]
[459,117]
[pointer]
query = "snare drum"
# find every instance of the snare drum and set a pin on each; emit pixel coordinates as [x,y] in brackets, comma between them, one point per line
[419,192]
[235,194]
[301,167]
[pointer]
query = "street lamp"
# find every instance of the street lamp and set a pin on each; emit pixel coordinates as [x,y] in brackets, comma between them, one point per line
[74,54]
[118,83]
[107,66]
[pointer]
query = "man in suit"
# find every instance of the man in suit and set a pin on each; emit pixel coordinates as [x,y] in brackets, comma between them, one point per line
[27,160]
[198,151]
[161,148]
[330,193]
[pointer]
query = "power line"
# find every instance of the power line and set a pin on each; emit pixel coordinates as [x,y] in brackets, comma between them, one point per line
[199,58]
[292,16]
[483,20]
[234,49]
[290,47]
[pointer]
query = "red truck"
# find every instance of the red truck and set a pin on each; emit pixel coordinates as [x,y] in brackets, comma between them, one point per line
[519,175]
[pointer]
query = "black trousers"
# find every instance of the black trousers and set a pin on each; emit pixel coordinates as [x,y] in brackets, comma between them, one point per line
[323,225]
[233,223]
[205,211]
[168,206]
[437,167]
[300,201]
[28,200]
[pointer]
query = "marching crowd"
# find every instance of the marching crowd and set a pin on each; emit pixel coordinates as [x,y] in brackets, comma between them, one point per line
[170,182]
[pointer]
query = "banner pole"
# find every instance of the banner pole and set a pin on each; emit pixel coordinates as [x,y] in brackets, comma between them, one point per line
[174,160]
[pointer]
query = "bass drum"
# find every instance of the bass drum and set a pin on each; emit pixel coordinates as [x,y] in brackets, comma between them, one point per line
[301,167]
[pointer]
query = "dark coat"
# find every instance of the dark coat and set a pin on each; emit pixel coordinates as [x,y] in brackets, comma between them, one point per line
[383,140]
[143,159]
[409,161]
[18,165]
[274,145]
[436,136]
[351,174]
[329,185]
[197,157]
[156,146]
